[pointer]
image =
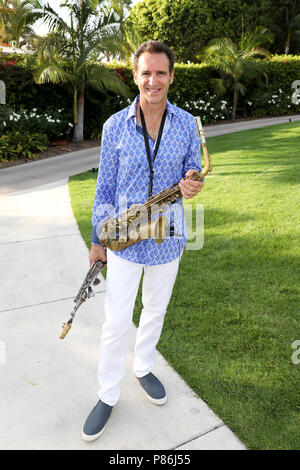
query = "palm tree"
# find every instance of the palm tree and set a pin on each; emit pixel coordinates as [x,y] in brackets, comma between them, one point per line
[12,27]
[6,10]
[289,29]
[234,61]
[70,53]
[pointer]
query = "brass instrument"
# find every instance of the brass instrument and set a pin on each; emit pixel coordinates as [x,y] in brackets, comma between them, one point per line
[136,223]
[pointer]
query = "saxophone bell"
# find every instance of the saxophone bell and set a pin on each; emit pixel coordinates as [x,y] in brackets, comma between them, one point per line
[158,229]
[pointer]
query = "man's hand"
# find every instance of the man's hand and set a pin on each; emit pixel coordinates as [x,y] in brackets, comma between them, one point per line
[190,188]
[97,252]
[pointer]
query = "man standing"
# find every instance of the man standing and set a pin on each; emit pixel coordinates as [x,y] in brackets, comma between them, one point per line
[146,148]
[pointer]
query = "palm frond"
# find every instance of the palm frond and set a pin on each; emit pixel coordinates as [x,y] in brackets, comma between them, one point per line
[101,78]
[253,40]
[51,72]
[39,11]
[55,22]
[54,46]
[240,88]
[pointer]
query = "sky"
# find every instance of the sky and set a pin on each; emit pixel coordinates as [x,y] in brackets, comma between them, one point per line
[42,29]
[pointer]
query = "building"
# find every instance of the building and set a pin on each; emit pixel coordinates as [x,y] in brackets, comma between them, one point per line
[12,49]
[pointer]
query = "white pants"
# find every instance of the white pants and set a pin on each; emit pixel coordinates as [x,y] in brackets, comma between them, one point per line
[122,282]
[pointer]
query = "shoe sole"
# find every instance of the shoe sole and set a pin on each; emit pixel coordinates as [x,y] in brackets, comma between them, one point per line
[156,401]
[89,438]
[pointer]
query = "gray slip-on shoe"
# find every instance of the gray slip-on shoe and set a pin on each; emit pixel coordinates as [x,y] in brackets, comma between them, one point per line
[153,388]
[96,421]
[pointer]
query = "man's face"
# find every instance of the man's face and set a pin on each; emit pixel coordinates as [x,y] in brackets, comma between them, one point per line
[153,77]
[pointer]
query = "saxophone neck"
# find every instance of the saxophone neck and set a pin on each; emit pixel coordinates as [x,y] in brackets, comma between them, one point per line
[207,158]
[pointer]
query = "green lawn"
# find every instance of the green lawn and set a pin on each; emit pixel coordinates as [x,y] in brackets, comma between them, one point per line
[235,308]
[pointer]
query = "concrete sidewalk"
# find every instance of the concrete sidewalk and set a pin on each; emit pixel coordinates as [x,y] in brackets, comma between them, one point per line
[220,129]
[48,385]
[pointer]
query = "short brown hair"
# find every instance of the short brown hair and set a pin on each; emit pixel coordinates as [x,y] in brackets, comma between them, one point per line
[154,47]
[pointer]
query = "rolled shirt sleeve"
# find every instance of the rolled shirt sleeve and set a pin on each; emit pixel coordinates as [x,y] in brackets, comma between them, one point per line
[192,159]
[106,182]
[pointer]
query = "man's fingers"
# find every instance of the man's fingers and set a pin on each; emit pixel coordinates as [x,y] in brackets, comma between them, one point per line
[97,252]
[190,188]
[186,193]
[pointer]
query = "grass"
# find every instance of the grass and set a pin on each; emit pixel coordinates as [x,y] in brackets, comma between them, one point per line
[235,309]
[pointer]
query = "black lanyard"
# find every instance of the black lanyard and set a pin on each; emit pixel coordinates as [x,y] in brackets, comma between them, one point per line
[150,162]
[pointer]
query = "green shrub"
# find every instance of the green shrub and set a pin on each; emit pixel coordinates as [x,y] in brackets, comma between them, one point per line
[14,145]
[272,96]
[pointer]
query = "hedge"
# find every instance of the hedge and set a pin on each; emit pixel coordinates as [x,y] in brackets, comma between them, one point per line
[268,94]
[23,92]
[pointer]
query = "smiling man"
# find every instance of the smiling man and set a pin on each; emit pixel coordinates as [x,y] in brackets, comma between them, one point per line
[153,77]
[146,148]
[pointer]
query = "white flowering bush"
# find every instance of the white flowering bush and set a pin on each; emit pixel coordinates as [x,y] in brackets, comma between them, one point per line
[51,123]
[211,108]
[273,102]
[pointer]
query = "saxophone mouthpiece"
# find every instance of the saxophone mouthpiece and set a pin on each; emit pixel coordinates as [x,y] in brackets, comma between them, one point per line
[66,328]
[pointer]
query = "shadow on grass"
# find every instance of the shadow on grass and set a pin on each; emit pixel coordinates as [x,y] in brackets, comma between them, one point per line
[215,217]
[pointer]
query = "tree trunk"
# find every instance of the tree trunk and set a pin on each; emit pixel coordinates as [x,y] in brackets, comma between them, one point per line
[234,104]
[287,46]
[78,124]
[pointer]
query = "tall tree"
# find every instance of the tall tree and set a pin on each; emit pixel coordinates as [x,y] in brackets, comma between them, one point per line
[233,61]
[5,12]
[12,26]
[188,25]
[71,52]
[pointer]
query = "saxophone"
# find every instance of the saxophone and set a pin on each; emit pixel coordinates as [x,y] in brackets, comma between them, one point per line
[139,222]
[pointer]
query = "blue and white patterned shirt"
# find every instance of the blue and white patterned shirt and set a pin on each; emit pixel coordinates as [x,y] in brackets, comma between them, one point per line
[124,175]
